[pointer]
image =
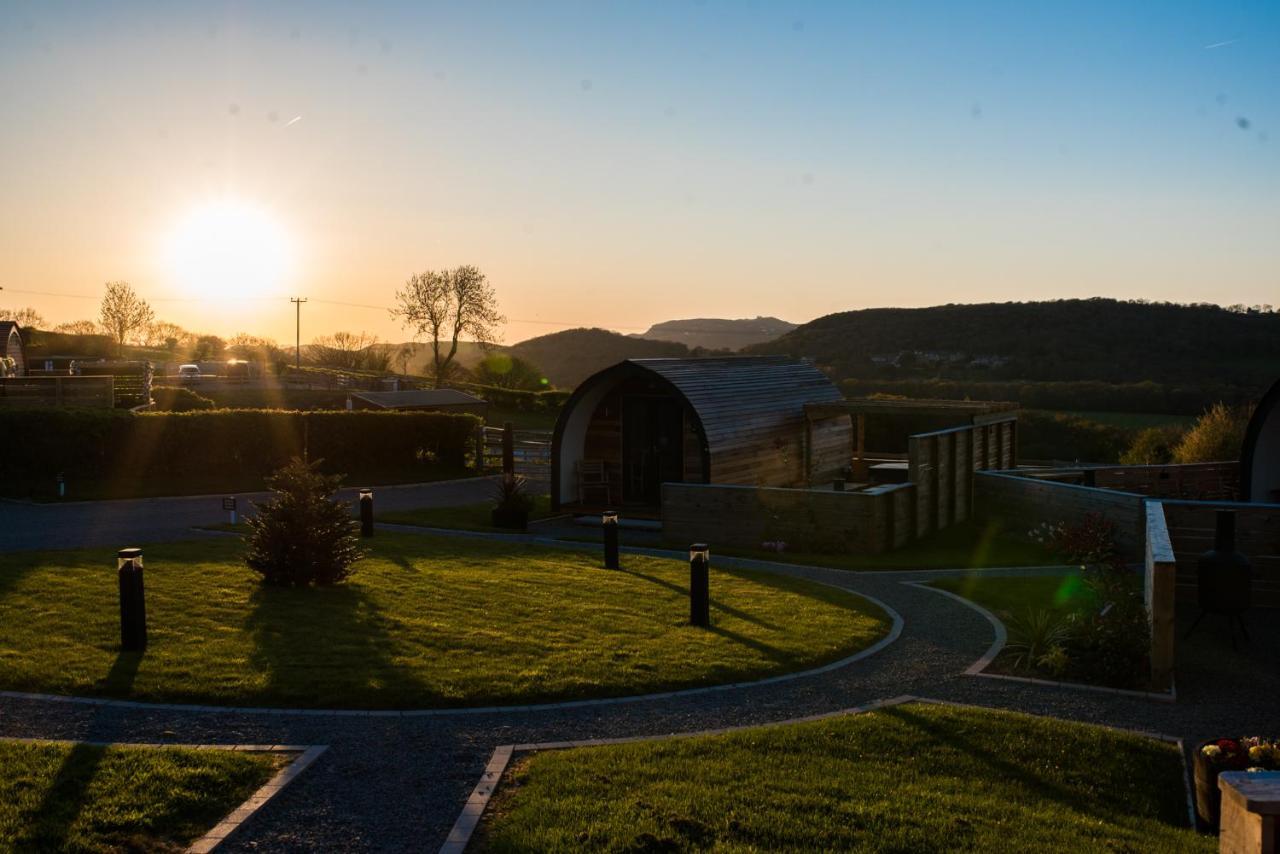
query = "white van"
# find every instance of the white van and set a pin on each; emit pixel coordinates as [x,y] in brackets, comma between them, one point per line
[188,373]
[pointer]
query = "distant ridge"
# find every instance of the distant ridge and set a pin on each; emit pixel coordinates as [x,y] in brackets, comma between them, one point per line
[569,357]
[1077,339]
[718,333]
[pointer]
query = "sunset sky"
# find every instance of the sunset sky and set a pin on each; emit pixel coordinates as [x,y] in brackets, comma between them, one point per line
[619,164]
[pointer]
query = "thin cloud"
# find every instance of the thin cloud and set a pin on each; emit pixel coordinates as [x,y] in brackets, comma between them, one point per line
[1220,44]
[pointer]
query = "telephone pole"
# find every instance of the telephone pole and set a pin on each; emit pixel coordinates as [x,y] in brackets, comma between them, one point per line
[297,350]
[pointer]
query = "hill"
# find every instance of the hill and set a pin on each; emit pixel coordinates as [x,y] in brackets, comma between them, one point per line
[571,356]
[1063,340]
[718,333]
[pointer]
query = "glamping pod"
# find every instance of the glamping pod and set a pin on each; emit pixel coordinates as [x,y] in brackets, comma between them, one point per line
[739,420]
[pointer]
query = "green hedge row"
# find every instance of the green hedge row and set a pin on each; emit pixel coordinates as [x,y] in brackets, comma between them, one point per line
[37,444]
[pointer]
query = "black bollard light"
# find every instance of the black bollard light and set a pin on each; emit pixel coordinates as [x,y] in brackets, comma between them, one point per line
[366,512]
[133,605]
[699,592]
[609,521]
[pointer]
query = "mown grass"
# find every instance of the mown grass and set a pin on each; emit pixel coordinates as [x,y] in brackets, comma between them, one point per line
[918,778]
[969,545]
[85,798]
[424,622]
[1063,594]
[467,517]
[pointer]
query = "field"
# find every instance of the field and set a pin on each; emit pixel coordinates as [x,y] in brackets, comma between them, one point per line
[424,622]
[916,777]
[86,798]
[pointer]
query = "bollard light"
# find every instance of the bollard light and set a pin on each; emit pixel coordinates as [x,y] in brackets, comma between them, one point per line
[133,605]
[699,584]
[62,485]
[609,521]
[366,512]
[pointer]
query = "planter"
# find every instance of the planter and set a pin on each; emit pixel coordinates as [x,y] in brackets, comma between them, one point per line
[503,517]
[1208,795]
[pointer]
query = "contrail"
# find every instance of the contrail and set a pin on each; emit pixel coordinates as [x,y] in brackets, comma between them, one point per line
[293,121]
[1220,44]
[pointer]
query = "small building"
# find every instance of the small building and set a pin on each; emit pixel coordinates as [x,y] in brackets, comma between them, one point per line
[729,420]
[1260,456]
[13,362]
[424,400]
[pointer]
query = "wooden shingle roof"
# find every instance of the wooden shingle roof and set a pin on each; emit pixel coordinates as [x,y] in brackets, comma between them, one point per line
[738,398]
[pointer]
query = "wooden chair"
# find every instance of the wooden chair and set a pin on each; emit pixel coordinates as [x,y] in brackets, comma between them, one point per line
[594,485]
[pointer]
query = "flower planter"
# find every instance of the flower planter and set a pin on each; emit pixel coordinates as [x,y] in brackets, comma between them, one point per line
[1208,798]
[502,517]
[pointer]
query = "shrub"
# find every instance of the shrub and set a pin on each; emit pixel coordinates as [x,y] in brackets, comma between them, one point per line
[178,399]
[302,536]
[509,372]
[511,495]
[1217,435]
[1110,645]
[1054,436]
[1032,636]
[1153,446]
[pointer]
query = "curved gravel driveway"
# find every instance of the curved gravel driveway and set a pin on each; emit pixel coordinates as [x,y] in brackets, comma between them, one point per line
[396,783]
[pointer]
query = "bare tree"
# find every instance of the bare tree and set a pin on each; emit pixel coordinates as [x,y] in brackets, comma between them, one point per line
[342,349]
[446,304]
[77,327]
[124,312]
[24,316]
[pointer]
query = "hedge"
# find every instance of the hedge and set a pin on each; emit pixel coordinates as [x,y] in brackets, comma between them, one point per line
[89,444]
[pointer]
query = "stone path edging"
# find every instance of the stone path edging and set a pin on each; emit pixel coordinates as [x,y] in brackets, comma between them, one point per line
[234,820]
[978,668]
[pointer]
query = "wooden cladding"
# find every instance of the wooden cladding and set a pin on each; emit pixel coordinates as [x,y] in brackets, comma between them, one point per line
[941,465]
[869,522]
[1191,525]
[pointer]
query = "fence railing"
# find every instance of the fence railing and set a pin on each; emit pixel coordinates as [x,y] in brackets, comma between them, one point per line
[58,391]
[530,451]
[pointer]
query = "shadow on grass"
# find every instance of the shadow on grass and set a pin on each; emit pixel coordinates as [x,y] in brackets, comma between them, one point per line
[49,825]
[1020,774]
[329,647]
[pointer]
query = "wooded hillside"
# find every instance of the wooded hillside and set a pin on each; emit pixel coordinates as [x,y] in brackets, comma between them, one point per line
[1093,339]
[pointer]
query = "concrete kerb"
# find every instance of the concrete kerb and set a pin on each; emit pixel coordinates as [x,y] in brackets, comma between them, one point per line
[978,668]
[469,819]
[306,754]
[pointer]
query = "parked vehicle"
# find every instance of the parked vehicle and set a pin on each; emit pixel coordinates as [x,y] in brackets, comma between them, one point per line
[188,373]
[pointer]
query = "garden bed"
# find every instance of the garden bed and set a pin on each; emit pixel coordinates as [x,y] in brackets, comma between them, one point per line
[79,797]
[424,622]
[1039,613]
[914,777]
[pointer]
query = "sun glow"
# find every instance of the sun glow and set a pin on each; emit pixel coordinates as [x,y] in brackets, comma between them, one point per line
[230,249]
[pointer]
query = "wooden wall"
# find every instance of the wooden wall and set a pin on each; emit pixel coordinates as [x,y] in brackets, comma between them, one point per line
[1191,525]
[942,465]
[830,447]
[1191,482]
[869,522]
[1022,503]
[1158,588]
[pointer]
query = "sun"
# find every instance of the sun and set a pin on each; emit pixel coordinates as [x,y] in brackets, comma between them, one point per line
[229,248]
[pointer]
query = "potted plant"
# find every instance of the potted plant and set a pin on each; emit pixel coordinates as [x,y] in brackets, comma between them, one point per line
[1228,754]
[513,503]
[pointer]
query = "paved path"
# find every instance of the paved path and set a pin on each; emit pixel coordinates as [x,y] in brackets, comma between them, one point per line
[132,521]
[396,783]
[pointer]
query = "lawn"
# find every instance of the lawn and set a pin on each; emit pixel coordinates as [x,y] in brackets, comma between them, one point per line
[468,517]
[1063,594]
[968,545]
[62,797]
[424,622]
[916,778]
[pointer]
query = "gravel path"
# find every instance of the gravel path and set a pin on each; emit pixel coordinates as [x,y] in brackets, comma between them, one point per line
[396,783]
